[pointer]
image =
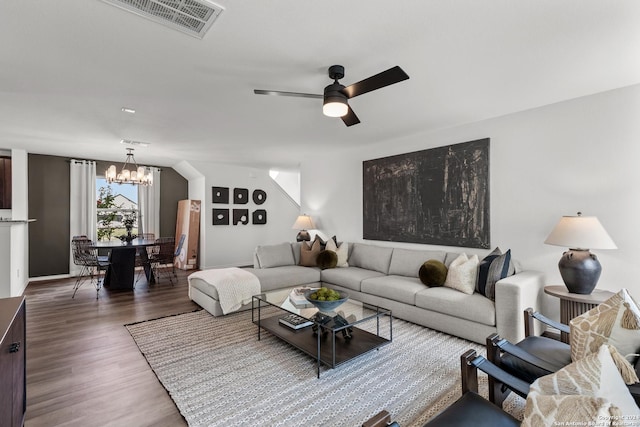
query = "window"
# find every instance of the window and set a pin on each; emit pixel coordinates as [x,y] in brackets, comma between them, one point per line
[115,202]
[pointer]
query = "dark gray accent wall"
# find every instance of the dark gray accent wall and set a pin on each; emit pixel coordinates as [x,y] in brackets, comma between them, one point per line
[49,244]
[173,188]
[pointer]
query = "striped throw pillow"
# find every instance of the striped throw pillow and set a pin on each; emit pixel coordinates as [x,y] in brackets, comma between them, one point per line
[493,267]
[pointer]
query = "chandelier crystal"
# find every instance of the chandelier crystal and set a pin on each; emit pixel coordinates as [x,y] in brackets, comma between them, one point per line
[130,173]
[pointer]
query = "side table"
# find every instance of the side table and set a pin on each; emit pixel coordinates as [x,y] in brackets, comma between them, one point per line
[573,305]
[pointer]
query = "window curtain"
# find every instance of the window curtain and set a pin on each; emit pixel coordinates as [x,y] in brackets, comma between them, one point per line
[149,202]
[82,207]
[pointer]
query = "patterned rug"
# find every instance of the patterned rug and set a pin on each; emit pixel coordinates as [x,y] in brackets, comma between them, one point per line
[219,374]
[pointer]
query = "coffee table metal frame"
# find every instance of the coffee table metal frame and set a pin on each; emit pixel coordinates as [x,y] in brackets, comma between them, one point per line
[328,347]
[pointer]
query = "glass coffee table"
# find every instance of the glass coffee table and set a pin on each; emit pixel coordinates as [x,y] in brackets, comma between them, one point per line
[331,338]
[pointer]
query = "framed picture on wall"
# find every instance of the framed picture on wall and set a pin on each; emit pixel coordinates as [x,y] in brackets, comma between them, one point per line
[220,195]
[220,216]
[437,196]
[240,196]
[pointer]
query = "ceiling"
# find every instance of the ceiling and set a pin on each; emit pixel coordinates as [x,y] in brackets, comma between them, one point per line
[67,67]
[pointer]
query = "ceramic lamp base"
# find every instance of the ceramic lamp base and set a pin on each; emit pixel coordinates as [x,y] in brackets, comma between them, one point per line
[580,270]
[303,235]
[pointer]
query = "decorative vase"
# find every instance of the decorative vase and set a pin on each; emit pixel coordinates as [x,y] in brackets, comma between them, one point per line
[129,237]
[580,271]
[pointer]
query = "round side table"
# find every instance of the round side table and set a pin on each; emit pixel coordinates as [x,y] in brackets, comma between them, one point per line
[573,305]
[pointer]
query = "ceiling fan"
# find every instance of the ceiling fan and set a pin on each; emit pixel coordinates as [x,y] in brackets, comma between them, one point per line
[335,96]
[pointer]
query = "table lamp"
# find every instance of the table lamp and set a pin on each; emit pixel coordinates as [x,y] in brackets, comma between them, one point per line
[303,223]
[579,268]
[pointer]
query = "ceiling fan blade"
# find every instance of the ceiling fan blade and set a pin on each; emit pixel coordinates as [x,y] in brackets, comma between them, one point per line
[350,118]
[380,80]
[280,93]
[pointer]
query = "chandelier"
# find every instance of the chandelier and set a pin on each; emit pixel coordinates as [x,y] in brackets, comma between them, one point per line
[130,173]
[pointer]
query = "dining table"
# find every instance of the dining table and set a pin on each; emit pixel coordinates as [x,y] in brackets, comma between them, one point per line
[122,262]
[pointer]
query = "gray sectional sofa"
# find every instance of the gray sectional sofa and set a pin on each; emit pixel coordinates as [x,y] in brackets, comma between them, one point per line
[388,277]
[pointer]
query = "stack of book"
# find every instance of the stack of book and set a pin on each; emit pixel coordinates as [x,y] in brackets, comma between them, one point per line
[296,296]
[295,322]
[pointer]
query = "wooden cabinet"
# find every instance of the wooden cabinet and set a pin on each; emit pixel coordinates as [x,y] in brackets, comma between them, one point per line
[5,182]
[13,378]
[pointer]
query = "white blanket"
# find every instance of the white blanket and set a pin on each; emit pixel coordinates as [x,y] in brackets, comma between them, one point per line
[235,286]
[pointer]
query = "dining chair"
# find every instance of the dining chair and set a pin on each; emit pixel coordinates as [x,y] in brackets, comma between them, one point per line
[92,264]
[142,261]
[77,259]
[163,256]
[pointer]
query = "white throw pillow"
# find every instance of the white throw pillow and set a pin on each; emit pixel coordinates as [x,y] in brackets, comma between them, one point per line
[572,410]
[462,274]
[615,321]
[595,375]
[342,251]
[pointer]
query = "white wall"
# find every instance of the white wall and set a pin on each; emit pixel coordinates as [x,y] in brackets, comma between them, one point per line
[579,155]
[233,245]
[289,181]
[14,237]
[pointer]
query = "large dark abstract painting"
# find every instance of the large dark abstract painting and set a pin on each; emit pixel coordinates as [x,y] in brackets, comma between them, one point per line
[438,196]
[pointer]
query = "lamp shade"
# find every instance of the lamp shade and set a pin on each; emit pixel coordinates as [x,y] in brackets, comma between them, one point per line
[579,268]
[303,222]
[580,232]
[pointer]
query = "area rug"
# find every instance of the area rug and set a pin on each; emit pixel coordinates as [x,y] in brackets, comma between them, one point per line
[219,374]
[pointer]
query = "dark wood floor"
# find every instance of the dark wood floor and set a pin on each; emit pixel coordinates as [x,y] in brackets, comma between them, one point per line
[83,368]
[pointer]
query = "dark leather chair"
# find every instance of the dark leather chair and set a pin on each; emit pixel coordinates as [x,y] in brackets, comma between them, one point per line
[533,357]
[471,409]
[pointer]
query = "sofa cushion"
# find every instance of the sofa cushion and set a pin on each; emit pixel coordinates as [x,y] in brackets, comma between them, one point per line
[309,254]
[295,248]
[348,277]
[494,267]
[275,255]
[287,276]
[327,259]
[433,273]
[320,240]
[475,307]
[397,288]
[462,274]
[342,250]
[371,257]
[407,262]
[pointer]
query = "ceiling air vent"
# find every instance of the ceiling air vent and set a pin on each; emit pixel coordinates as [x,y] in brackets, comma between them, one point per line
[188,16]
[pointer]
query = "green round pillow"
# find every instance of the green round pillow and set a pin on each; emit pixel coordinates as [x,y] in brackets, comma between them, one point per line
[433,273]
[327,259]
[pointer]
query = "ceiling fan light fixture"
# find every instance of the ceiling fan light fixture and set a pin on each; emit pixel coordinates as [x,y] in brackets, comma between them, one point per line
[336,96]
[335,102]
[335,108]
